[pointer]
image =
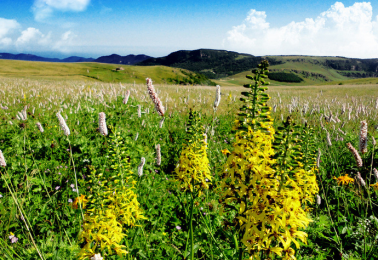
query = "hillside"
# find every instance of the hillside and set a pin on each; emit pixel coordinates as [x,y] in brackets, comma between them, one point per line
[232,66]
[316,70]
[93,71]
[214,64]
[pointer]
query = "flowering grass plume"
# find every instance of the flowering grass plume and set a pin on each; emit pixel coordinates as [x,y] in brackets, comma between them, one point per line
[158,155]
[363,137]
[375,173]
[24,114]
[139,111]
[318,199]
[217,97]
[355,153]
[318,159]
[63,124]
[155,99]
[40,128]
[140,166]
[161,122]
[127,95]
[97,257]
[360,180]
[2,160]
[329,142]
[102,124]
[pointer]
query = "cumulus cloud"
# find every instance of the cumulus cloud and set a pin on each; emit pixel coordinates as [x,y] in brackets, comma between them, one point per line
[32,37]
[340,31]
[43,9]
[65,43]
[13,38]
[7,27]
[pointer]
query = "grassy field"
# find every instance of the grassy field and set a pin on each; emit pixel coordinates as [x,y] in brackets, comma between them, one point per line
[77,195]
[85,71]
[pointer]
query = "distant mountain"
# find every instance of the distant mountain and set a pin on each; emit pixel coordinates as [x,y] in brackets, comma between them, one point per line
[77,59]
[126,60]
[114,58]
[30,57]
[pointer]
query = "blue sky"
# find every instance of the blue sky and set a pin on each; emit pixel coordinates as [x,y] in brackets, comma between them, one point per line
[91,28]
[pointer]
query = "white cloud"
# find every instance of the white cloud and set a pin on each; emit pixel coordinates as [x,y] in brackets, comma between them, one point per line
[66,42]
[6,28]
[13,39]
[339,31]
[43,9]
[32,36]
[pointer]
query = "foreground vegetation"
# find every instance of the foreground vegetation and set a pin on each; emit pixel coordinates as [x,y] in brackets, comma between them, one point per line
[57,188]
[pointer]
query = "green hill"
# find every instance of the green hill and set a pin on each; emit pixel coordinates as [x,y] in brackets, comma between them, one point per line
[98,72]
[214,64]
[227,66]
[316,70]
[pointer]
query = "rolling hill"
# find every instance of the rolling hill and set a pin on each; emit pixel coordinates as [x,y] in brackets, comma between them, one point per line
[214,64]
[231,67]
[92,71]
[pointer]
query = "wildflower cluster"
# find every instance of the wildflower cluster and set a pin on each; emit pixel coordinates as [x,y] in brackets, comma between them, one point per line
[192,170]
[112,208]
[266,182]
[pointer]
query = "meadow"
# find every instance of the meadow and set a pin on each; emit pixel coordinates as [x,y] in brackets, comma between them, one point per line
[74,186]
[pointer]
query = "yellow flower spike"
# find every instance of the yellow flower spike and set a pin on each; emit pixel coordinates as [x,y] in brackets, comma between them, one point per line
[193,167]
[107,218]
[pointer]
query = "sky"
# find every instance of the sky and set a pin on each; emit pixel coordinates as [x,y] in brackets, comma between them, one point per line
[93,28]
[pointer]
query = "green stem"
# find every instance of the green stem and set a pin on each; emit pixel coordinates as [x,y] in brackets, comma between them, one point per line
[191,230]
[240,253]
[23,217]
[211,234]
[77,187]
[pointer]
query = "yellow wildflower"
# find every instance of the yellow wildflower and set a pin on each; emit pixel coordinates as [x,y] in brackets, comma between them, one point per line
[193,169]
[344,180]
[225,151]
[81,199]
[375,186]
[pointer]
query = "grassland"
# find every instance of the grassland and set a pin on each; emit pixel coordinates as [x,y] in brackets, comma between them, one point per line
[38,185]
[86,71]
